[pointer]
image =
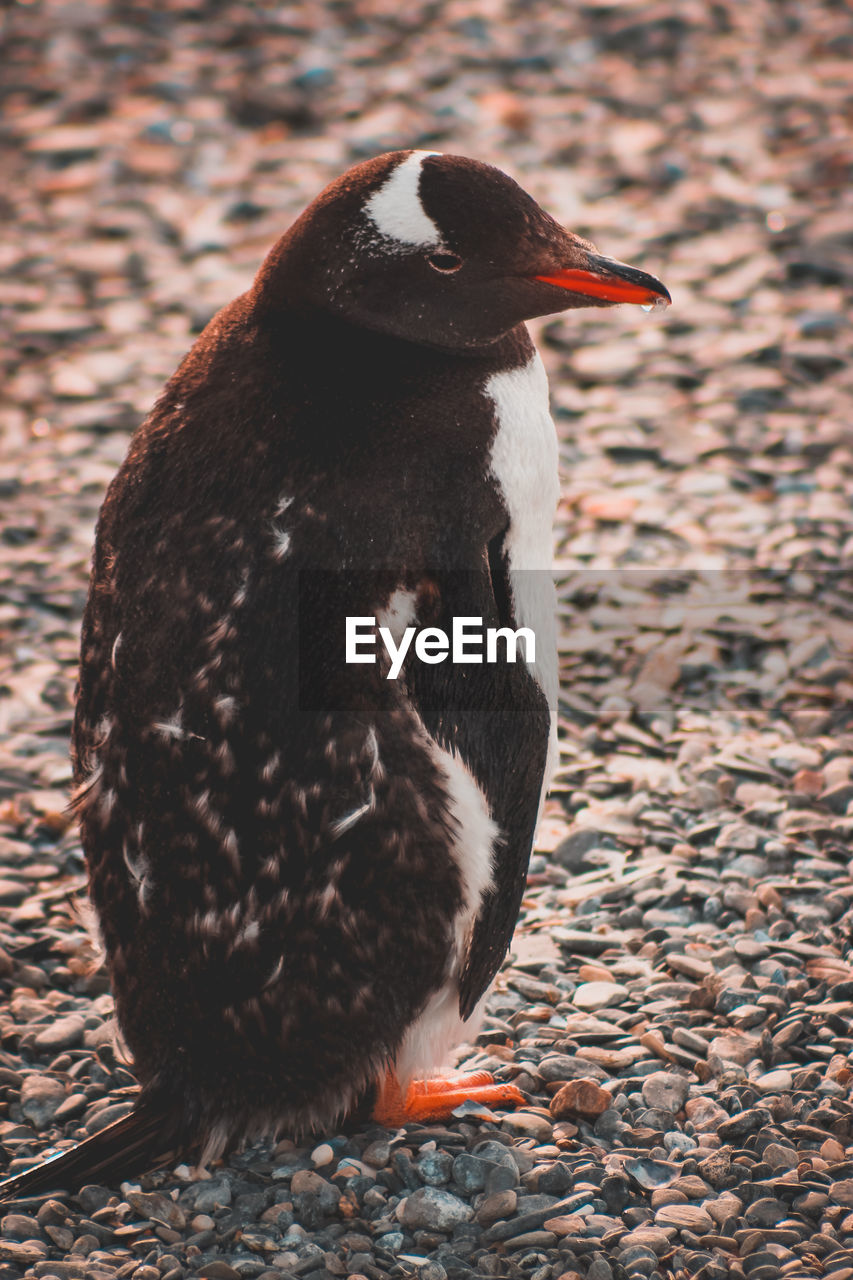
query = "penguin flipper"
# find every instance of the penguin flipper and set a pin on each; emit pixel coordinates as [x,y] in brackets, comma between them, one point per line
[121,1149]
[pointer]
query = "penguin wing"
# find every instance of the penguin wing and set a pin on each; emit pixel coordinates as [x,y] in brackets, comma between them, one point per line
[496,718]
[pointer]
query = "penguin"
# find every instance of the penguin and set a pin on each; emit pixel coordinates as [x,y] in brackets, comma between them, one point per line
[307,860]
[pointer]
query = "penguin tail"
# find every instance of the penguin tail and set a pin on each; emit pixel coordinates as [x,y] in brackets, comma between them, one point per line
[145,1137]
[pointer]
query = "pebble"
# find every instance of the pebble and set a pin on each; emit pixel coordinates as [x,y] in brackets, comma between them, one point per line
[665,1090]
[64,1033]
[433,1209]
[592,996]
[687,1217]
[528,1124]
[215,1194]
[580,1098]
[41,1098]
[496,1207]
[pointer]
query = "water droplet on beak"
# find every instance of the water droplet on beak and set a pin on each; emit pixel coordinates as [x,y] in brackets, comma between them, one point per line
[656,304]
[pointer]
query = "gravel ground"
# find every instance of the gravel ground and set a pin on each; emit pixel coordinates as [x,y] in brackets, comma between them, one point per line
[678,1002]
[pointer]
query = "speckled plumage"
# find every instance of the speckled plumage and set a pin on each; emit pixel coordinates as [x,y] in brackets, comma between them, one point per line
[292,858]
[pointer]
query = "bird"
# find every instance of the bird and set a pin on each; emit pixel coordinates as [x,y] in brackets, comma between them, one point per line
[306,870]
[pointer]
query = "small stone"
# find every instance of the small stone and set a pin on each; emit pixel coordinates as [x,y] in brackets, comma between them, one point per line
[657,1240]
[496,1207]
[737,835]
[779,1156]
[377,1154]
[23,1253]
[665,1090]
[841,1192]
[688,1217]
[314,1199]
[583,1098]
[322,1155]
[705,1114]
[19,1226]
[64,1033]
[691,966]
[41,1097]
[100,1119]
[808,782]
[591,996]
[677,1141]
[832,1151]
[735,1046]
[159,1207]
[715,1167]
[744,1123]
[435,1167]
[667,1195]
[778,1081]
[432,1209]
[765,1212]
[219,1270]
[559,1066]
[215,1194]
[92,1197]
[571,1224]
[469,1172]
[791,756]
[527,1124]
[648,1174]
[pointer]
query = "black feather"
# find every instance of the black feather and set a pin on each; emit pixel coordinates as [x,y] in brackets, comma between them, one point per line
[138,1141]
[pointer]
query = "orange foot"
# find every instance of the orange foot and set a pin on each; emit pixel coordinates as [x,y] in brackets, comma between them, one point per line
[436,1098]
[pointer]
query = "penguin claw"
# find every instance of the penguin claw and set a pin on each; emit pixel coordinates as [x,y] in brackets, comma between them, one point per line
[437,1097]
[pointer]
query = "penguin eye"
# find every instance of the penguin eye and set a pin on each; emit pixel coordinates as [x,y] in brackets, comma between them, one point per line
[446,263]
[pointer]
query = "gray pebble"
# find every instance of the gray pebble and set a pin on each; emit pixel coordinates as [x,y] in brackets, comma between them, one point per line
[64,1033]
[435,1167]
[665,1090]
[215,1194]
[41,1097]
[434,1209]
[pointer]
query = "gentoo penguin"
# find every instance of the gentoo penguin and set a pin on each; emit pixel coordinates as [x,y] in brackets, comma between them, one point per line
[307,867]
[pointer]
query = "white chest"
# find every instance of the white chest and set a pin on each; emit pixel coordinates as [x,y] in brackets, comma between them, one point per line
[524,464]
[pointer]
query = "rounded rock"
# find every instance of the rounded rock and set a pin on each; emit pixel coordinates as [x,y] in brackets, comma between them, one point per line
[41,1098]
[580,1098]
[665,1091]
[591,996]
[432,1209]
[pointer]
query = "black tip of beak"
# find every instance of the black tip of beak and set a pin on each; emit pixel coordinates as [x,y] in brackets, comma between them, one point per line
[641,280]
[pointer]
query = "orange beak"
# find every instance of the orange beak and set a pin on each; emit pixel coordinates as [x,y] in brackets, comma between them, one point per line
[611,281]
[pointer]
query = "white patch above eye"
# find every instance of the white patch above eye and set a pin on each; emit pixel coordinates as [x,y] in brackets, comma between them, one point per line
[396,210]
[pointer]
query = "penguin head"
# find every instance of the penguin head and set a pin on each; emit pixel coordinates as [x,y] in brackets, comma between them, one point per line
[440,250]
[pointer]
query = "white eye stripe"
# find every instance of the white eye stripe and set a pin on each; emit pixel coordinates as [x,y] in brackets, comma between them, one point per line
[396,210]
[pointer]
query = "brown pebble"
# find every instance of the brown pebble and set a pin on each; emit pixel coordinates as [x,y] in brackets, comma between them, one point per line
[496,1207]
[832,1150]
[580,1098]
[808,782]
[667,1195]
[218,1270]
[768,896]
[655,1043]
